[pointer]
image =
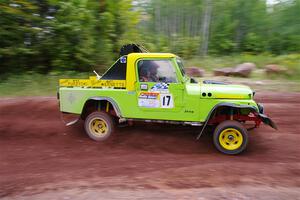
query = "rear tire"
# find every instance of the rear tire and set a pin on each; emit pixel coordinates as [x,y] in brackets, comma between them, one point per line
[99,126]
[230,137]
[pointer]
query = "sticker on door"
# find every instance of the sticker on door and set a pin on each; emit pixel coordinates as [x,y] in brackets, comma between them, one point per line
[155,100]
[166,101]
[149,100]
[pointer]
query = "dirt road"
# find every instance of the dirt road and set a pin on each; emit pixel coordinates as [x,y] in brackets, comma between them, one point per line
[40,158]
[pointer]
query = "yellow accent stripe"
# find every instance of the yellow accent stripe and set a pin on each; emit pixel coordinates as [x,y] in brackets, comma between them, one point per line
[231,96]
[107,107]
[91,83]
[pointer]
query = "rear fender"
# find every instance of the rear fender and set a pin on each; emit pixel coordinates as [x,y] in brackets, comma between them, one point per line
[110,100]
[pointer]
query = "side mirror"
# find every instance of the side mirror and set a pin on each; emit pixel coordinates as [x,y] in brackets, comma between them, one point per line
[193,80]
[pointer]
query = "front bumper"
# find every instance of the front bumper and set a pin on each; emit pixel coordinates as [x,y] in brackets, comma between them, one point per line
[264,118]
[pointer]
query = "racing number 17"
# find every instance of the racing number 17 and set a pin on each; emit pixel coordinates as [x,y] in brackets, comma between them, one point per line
[166,101]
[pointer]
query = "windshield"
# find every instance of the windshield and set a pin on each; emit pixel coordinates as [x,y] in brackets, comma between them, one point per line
[180,65]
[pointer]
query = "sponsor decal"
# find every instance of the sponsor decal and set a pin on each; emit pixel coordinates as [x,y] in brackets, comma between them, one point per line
[149,100]
[92,83]
[160,87]
[144,87]
[155,100]
[123,59]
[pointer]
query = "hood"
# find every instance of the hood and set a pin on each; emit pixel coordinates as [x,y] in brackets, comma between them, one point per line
[225,91]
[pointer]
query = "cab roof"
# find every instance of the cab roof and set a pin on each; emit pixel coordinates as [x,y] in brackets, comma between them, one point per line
[151,55]
[137,51]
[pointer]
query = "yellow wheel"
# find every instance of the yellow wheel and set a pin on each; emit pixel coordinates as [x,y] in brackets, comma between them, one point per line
[98,126]
[230,137]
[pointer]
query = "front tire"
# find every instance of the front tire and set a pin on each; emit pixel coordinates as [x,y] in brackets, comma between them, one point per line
[230,137]
[99,126]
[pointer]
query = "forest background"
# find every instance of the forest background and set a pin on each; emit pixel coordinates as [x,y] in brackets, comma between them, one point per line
[43,40]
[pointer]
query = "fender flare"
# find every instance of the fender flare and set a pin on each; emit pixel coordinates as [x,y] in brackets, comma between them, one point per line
[109,99]
[232,105]
[265,119]
[224,105]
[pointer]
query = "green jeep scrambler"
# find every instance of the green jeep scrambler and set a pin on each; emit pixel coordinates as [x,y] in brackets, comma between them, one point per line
[153,87]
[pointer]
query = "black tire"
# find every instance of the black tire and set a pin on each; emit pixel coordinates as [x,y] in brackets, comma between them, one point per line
[99,126]
[227,145]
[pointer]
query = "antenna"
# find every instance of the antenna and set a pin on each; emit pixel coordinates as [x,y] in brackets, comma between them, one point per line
[98,76]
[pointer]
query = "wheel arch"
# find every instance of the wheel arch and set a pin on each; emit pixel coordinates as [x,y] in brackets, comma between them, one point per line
[102,99]
[226,105]
[229,105]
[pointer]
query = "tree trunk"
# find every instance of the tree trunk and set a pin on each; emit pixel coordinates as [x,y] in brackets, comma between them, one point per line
[205,27]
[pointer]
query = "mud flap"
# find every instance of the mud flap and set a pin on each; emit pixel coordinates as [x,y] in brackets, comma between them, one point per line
[69,123]
[72,122]
[266,120]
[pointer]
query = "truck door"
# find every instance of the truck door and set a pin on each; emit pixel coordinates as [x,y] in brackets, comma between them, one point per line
[159,92]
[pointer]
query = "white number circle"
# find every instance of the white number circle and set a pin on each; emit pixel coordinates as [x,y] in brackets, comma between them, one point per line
[166,101]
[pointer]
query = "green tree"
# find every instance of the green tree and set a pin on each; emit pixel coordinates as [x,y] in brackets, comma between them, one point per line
[16,32]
